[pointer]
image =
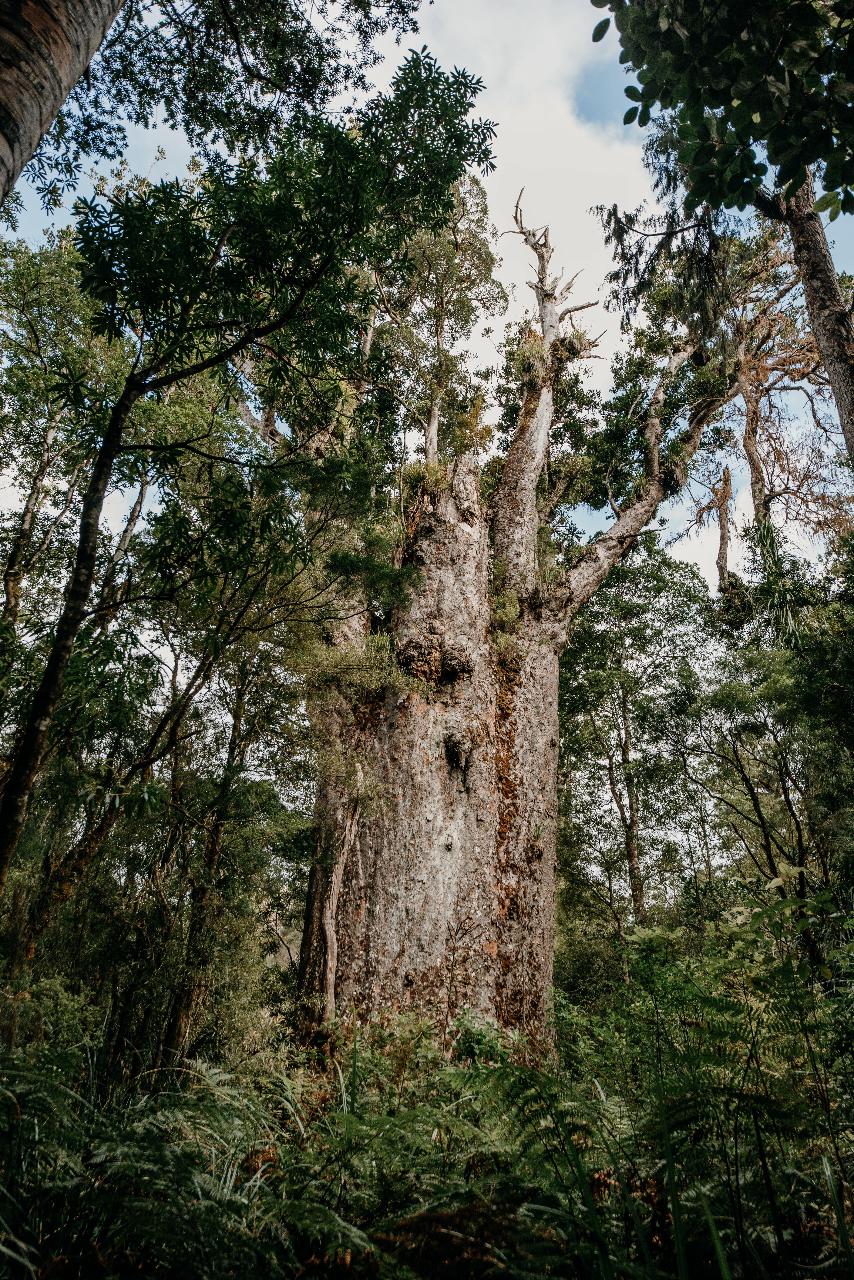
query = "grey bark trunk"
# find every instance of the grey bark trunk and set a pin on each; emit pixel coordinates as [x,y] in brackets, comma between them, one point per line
[830,315]
[723,497]
[45,47]
[758,488]
[434,884]
[431,439]
[435,890]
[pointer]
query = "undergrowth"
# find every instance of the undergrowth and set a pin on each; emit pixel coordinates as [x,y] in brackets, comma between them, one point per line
[690,1132]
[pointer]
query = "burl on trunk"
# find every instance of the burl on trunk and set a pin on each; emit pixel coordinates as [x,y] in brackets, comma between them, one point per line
[435,885]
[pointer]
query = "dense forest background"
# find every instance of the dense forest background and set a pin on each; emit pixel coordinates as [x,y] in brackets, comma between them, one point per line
[410,864]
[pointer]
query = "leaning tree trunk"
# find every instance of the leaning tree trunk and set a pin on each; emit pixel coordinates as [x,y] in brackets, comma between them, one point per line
[438,810]
[45,47]
[829,312]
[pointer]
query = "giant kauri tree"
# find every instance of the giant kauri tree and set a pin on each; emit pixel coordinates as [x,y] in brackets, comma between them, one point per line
[434,884]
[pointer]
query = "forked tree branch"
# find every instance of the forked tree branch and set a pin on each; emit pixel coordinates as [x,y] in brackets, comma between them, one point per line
[661,475]
[516,518]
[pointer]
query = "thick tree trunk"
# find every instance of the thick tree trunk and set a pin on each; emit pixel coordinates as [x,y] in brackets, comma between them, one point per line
[45,47]
[436,883]
[433,888]
[830,315]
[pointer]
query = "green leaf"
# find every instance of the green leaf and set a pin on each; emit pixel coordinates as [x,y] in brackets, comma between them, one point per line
[600,29]
[830,200]
[631,115]
[633,93]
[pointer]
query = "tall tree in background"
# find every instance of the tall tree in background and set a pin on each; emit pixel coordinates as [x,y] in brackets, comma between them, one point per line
[756,99]
[631,669]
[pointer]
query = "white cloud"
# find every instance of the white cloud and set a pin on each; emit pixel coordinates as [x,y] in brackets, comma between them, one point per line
[530,58]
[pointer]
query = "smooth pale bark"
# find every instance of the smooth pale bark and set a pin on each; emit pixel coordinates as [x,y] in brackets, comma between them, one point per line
[45,47]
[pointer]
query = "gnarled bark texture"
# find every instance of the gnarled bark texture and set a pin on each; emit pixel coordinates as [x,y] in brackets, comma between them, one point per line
[435,890]
[45,47]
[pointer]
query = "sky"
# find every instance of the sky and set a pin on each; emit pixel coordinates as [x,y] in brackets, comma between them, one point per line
[558,102]
[547,87]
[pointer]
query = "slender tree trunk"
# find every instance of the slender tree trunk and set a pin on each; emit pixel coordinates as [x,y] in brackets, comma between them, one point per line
[110,597]
[61,878]
[431,438]
[632,814]
[758,487]
[190,987]
[625,799]
[17,557]
[45,47]
[32,740]
[829,313]
[436,883]
[723,497]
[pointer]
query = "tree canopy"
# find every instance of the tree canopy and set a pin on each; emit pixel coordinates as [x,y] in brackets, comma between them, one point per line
[758,95]
[426,822]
